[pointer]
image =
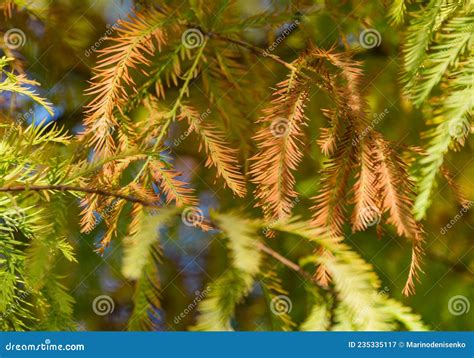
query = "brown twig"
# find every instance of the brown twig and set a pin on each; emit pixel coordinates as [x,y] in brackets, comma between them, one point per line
[252,48]
[290,264]
[458,266]
[58,187]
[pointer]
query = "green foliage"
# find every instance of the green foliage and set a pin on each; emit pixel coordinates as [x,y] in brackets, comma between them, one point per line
[218,308]
[17,84]
[140,262]
[273,290]
[360,304]
[438,58]
[319,316]
[139,247]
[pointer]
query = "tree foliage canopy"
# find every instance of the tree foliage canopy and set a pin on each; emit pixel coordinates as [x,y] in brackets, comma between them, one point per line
[234,154]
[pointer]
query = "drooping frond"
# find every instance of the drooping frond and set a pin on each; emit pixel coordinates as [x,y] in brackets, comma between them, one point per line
[219,154]
[420,33]
[147,314]
[438,60]
[382,181]
[318,318]
[397,11]
[361,303]
[396,194]
[396,189]
[403,316]
[42,256]
[59,308]
[173,188]
[274,294]
[341,141]
[218,307]
[139,245]
[367,203]
[15,308]
[17,312]
[330,208]
[141,256]
[357,287]
[242,240]
[452,42]
[88,219]
[280,148]
[19,84]
[452,116]
[415,265]
[136,41]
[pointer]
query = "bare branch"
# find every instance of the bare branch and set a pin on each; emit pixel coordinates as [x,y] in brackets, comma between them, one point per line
[25,188]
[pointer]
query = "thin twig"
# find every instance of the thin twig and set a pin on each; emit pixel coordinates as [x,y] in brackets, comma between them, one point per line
[458,266]
[58,187]
[290,264]
[252,48]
